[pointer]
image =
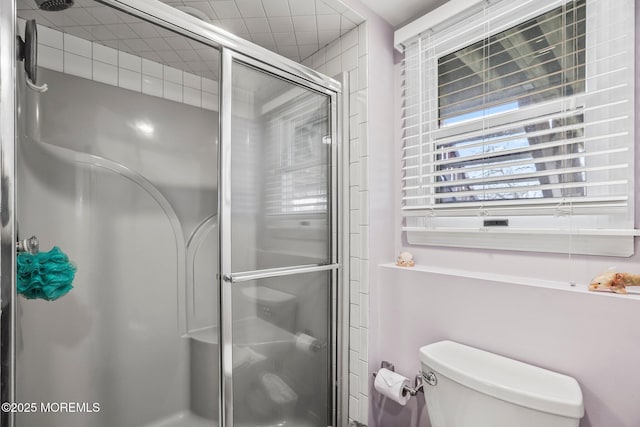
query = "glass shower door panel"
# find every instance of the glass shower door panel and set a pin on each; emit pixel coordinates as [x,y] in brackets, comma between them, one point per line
[280,176]
[117,165]
[281,356]
[278,278]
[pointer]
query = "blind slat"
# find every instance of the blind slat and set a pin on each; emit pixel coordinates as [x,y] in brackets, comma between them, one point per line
[512,99]
[489,192]
[516,177]
[531,161]
[532,121]
[488,156]
[500,205]
[613,42]
[461,35]
[521,118]
[607,91]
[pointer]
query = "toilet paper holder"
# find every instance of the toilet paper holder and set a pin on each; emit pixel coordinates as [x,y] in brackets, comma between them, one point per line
[418,384]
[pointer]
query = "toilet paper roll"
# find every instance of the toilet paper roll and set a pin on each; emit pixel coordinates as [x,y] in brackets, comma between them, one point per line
[391,385]
[306,343]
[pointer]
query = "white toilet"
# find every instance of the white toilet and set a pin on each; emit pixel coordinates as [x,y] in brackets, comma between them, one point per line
[467,387]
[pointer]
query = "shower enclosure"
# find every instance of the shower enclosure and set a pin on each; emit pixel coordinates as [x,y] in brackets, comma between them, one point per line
[192,177]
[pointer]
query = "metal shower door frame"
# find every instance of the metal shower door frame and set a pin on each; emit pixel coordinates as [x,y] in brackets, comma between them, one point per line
[232,48]
[8,234]
[227,277]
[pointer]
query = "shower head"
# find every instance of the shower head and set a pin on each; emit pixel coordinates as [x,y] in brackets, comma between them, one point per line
[54,5]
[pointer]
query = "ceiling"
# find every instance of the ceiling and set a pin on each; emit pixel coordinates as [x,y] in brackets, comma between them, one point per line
[400,12]
[293,28]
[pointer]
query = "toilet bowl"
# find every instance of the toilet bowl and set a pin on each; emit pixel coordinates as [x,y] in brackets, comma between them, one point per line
[467,387]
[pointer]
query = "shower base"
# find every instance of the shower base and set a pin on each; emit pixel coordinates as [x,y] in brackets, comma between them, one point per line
[189,419]
[184,419]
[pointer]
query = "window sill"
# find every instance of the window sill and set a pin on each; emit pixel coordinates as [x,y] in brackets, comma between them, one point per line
[583,242]
[582,288]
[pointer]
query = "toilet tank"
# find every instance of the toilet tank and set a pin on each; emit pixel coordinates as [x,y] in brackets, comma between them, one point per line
[274,306]
[475,388]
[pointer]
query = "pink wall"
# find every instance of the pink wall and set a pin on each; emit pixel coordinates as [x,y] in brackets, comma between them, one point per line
[592,337]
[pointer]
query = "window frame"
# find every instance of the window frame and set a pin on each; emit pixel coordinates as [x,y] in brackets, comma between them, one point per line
[281,124]
[560,228]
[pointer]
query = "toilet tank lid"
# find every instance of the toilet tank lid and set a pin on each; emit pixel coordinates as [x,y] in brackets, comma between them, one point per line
[505,379]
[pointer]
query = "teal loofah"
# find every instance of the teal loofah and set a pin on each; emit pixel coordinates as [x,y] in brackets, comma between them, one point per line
[45,275]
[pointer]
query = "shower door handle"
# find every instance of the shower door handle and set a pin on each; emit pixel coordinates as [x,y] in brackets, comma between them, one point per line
[277,272]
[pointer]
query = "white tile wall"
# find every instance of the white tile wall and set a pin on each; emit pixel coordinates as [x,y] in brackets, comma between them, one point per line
[51,58]
[105,73]
[152,85]
[349,54]
[50,37]
[79,57]
[209,100]
[77,65]
[172,91]
[152,69]
[104,54]
[131,80]
[129,62]
[77,45]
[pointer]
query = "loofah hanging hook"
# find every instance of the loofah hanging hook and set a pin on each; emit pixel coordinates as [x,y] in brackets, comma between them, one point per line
[31,245]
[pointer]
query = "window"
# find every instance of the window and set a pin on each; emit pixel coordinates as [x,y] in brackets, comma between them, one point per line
[299,176]
[518,128]
[297,166]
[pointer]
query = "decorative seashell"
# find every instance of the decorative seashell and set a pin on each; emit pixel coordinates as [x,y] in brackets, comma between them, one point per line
[405,259]
[406,256]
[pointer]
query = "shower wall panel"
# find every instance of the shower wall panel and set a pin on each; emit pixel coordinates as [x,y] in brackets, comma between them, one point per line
[89,156]
[172,145]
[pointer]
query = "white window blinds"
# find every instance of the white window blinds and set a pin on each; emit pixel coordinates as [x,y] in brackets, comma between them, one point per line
[297,158]
[517,115]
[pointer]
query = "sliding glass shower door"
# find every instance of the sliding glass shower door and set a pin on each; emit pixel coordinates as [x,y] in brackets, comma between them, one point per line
[277,219]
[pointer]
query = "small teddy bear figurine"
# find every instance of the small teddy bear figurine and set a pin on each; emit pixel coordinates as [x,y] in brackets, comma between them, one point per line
[405,260]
